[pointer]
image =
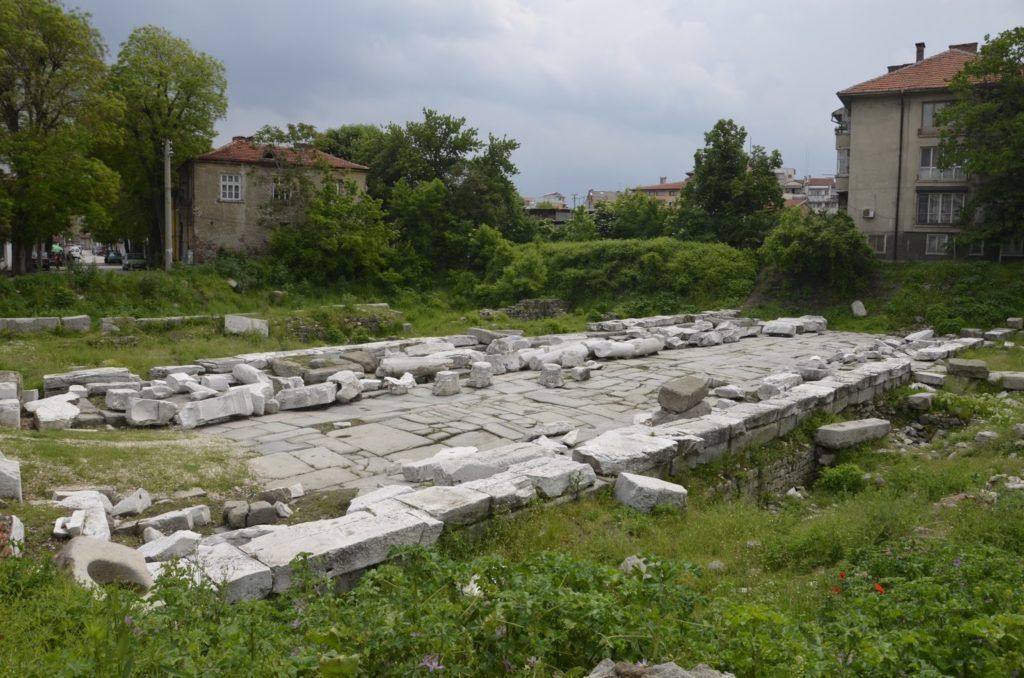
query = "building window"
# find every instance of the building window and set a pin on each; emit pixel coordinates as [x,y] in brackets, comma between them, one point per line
[282,192]
[939,207]
[976,248]
[936,243]
[928,111]
[843,162]
[231,187]
[1012,248]
[929,169]
[879,243]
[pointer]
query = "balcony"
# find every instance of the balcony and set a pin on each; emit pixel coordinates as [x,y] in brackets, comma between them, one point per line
[842,184]
[842,140]
[936,174]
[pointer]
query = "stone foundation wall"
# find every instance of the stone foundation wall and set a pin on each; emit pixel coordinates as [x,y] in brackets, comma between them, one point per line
[799,469]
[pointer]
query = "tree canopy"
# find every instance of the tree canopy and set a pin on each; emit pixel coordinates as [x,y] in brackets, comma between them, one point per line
[983,132]
[171,92]
[439,181]
[732,194]
[54,110]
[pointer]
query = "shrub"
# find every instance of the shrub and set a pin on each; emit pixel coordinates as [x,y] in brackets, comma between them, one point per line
[819,249]
[681,275]
[842,479]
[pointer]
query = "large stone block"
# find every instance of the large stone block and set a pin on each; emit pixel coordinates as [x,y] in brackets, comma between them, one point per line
[349,385]
[508,491]
[59,383]
[41,324]
[54,415]
[446,383]
[339,546]
[171,521]
[235,403]
[239,576]
[307,396]
[396,366]
[10,478]
[1011,381]
[134,504]
[144,412]
[555,476]
[10,413]
[457,467]
[176,545]
[10,385]
[779,328]
[972,369]
[76,323]
[644,493]
[451,505]
[850,433]
[680,395]
[240,324]
[117,398]
[622,450]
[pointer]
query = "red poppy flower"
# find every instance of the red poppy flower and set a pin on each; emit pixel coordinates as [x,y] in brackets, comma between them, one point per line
[836,589]
[842,575]
[878,587]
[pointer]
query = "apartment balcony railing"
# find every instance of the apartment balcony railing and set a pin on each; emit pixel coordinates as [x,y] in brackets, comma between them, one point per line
[936,174]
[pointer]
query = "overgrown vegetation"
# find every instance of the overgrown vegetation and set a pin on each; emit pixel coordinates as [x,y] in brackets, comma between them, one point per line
[860,578]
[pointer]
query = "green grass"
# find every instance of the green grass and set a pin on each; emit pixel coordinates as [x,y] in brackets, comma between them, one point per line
[944,295]
[1000,359]
[160,462]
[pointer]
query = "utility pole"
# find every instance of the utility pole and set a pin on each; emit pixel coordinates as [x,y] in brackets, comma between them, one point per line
[168,228]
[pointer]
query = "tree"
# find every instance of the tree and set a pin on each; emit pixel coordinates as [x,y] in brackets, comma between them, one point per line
[54,110]
[636,215]
[340,238]
[171,92]
[824,251]
[732,195]
[983,133]
[441,165]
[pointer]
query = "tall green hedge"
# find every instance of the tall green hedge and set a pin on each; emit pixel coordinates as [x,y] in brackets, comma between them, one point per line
[671,273]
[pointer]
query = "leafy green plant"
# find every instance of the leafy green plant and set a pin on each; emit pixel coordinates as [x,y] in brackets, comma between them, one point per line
[842,479]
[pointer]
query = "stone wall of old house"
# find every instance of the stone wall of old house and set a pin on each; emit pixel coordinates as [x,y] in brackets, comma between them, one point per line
[236,225]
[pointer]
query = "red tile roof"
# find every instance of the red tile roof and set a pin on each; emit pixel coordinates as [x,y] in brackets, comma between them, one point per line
[668,186]
[242,149]
[820,181]
[795,202]
[931,73]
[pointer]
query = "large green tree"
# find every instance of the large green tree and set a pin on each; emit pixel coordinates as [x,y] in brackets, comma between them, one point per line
[983,132]
[54,110]
[439,182]
[171,92]
[733,195]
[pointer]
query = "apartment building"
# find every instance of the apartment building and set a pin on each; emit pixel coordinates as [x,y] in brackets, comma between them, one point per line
[887,172]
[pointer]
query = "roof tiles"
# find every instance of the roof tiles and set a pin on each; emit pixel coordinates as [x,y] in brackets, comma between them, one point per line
[932,73]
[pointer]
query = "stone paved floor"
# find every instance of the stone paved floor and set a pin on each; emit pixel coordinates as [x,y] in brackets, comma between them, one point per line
[304,446]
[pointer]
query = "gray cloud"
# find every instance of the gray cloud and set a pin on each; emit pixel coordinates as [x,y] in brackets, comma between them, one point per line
[600,93]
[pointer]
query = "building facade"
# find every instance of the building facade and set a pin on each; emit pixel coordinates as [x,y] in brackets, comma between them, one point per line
[224,195]
[887,168]
[664,191]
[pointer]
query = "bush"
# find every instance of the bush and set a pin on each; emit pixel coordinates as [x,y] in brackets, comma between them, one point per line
[679,275]
[842,479]
[819,250]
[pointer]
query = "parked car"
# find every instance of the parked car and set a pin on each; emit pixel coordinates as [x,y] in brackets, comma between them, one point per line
[134,260]
[113,257]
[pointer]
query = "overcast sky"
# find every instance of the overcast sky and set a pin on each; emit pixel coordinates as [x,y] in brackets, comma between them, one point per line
[601,94]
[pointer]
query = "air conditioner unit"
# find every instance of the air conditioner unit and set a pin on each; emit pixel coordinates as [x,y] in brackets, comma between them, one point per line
[868,213]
